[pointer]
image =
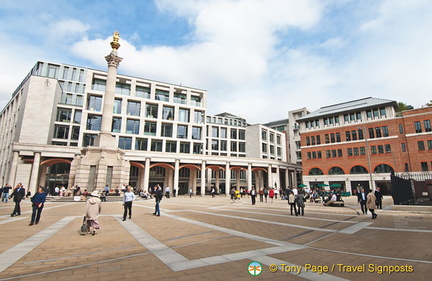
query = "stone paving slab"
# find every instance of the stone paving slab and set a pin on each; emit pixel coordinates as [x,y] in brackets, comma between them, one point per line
[215,239]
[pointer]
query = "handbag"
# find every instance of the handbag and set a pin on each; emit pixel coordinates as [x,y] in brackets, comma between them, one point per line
[84,228]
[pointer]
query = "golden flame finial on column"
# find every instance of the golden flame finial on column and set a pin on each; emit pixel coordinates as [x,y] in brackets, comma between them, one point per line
[114,43]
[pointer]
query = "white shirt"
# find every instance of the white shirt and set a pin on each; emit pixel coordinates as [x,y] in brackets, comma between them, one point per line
[295,191]
[128,196]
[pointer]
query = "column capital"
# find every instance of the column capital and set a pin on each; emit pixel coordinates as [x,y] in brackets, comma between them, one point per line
[113,60]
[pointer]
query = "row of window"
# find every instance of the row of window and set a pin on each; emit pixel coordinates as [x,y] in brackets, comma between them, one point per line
[145,92]
[222,145]
[352,135]
[352,151]
[220,132]
[271,137]
[426,125]
[271,149]
[348,118]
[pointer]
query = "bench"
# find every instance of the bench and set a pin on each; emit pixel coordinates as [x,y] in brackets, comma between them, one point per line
[338,204]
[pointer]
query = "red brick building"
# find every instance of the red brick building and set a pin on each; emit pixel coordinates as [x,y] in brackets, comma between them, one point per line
[362,142]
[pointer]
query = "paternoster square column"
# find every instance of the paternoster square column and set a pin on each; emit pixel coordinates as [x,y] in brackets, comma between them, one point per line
[105,138]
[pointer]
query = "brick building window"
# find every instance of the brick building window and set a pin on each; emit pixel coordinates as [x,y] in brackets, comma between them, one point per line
[427,125]
[424,166]
[417,127]
[421,146]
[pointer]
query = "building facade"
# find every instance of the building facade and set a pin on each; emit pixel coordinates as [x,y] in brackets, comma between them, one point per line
[361,142]
[158,133]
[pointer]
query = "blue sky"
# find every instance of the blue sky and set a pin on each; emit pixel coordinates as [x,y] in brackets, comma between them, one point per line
[257,59]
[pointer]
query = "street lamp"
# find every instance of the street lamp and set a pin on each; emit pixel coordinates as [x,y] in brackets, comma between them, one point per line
[368,156]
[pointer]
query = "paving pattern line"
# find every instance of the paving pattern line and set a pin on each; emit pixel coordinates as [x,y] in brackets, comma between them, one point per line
[18,251]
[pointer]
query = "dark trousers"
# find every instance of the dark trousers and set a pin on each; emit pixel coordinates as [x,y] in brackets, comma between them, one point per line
[363,207]
[36,214]
[378,203]
[253,199]
[293,206]
[17,209]
[373,213]
[127,206]
[300,210]
[261,197]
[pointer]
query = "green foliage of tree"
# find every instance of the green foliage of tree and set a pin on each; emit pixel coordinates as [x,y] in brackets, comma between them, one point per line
[429,103]
[402,106]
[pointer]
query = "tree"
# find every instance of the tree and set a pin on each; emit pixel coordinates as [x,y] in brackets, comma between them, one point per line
[402,106]
[429,103]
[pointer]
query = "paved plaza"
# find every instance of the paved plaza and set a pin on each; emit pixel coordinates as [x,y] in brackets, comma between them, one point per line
[204,238]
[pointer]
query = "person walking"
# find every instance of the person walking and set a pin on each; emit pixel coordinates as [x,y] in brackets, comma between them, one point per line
[93,211]
[213,192]
[167,192]
[253,194]
[38,201]
[5,195]
[18,194]
[292,203]
[271,194]
[128,198]
[158,198]
[300,202]
[361,198]
[379,197]
[370,204]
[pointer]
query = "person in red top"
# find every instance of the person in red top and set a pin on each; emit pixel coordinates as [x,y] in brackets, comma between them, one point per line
[271,194]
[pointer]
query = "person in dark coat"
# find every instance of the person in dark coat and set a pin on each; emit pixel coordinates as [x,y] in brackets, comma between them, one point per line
[18,194]
[38,201]
[253,194]
[361,198]
[379,197]
[158,198]
[300,202]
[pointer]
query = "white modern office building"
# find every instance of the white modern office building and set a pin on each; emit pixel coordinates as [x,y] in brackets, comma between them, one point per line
[69,125]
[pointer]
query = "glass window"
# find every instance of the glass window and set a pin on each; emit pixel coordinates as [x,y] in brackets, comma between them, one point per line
[180,98]
[150,128]
[184,147]
[369,114]
[141,144]
[387,148]
[125,143]
[94,103]
[223,145]
[162,95]
[378,132]
[385,131]
[421,145]
[88,139]
[75,133]
[73,74]
[336,171]
[429,143]
[195,101]
[143,92]
[362,150]
[417,126]
[151,110]
[168,113]
[61,132]
[373,149]
[81,75]
[132,126]
[99,85]
[116,125]
[401,129]
[183,115]
[264,147]
[123,89]
[156,145]
[346,118]
[350,151]
[264,135]
[196,133]
[197,148]
[427,125]
[356,151]
[403,146]
[198,117]
[167,130]
[134,108]
[380,149]
[424,166]
[354,135]
[182,131]
[223,133]
[233,134]
[360,134]
[94,122]
[52,71]
[358,116]
[371,133]
[278,138]
[171,146]
[215,145]
[117,106]
[65,72]
[215,132]
[77,116]
[242,147]
[382,112]
[347,136]
[64,115]
[234,146]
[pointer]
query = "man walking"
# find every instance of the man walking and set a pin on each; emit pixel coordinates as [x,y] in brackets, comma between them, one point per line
[379,197]
[128,198]
[18,194]
[361,198]
[158,198]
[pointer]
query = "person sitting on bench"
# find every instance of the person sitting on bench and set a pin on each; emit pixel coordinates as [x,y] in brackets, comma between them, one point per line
[332,200]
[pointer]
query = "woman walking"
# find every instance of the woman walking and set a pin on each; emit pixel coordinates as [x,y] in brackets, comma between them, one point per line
[38,201]
[93,211]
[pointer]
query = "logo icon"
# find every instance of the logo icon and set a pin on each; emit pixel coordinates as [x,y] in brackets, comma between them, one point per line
[255,268]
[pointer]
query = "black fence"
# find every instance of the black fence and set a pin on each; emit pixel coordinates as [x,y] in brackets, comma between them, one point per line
[402,191]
